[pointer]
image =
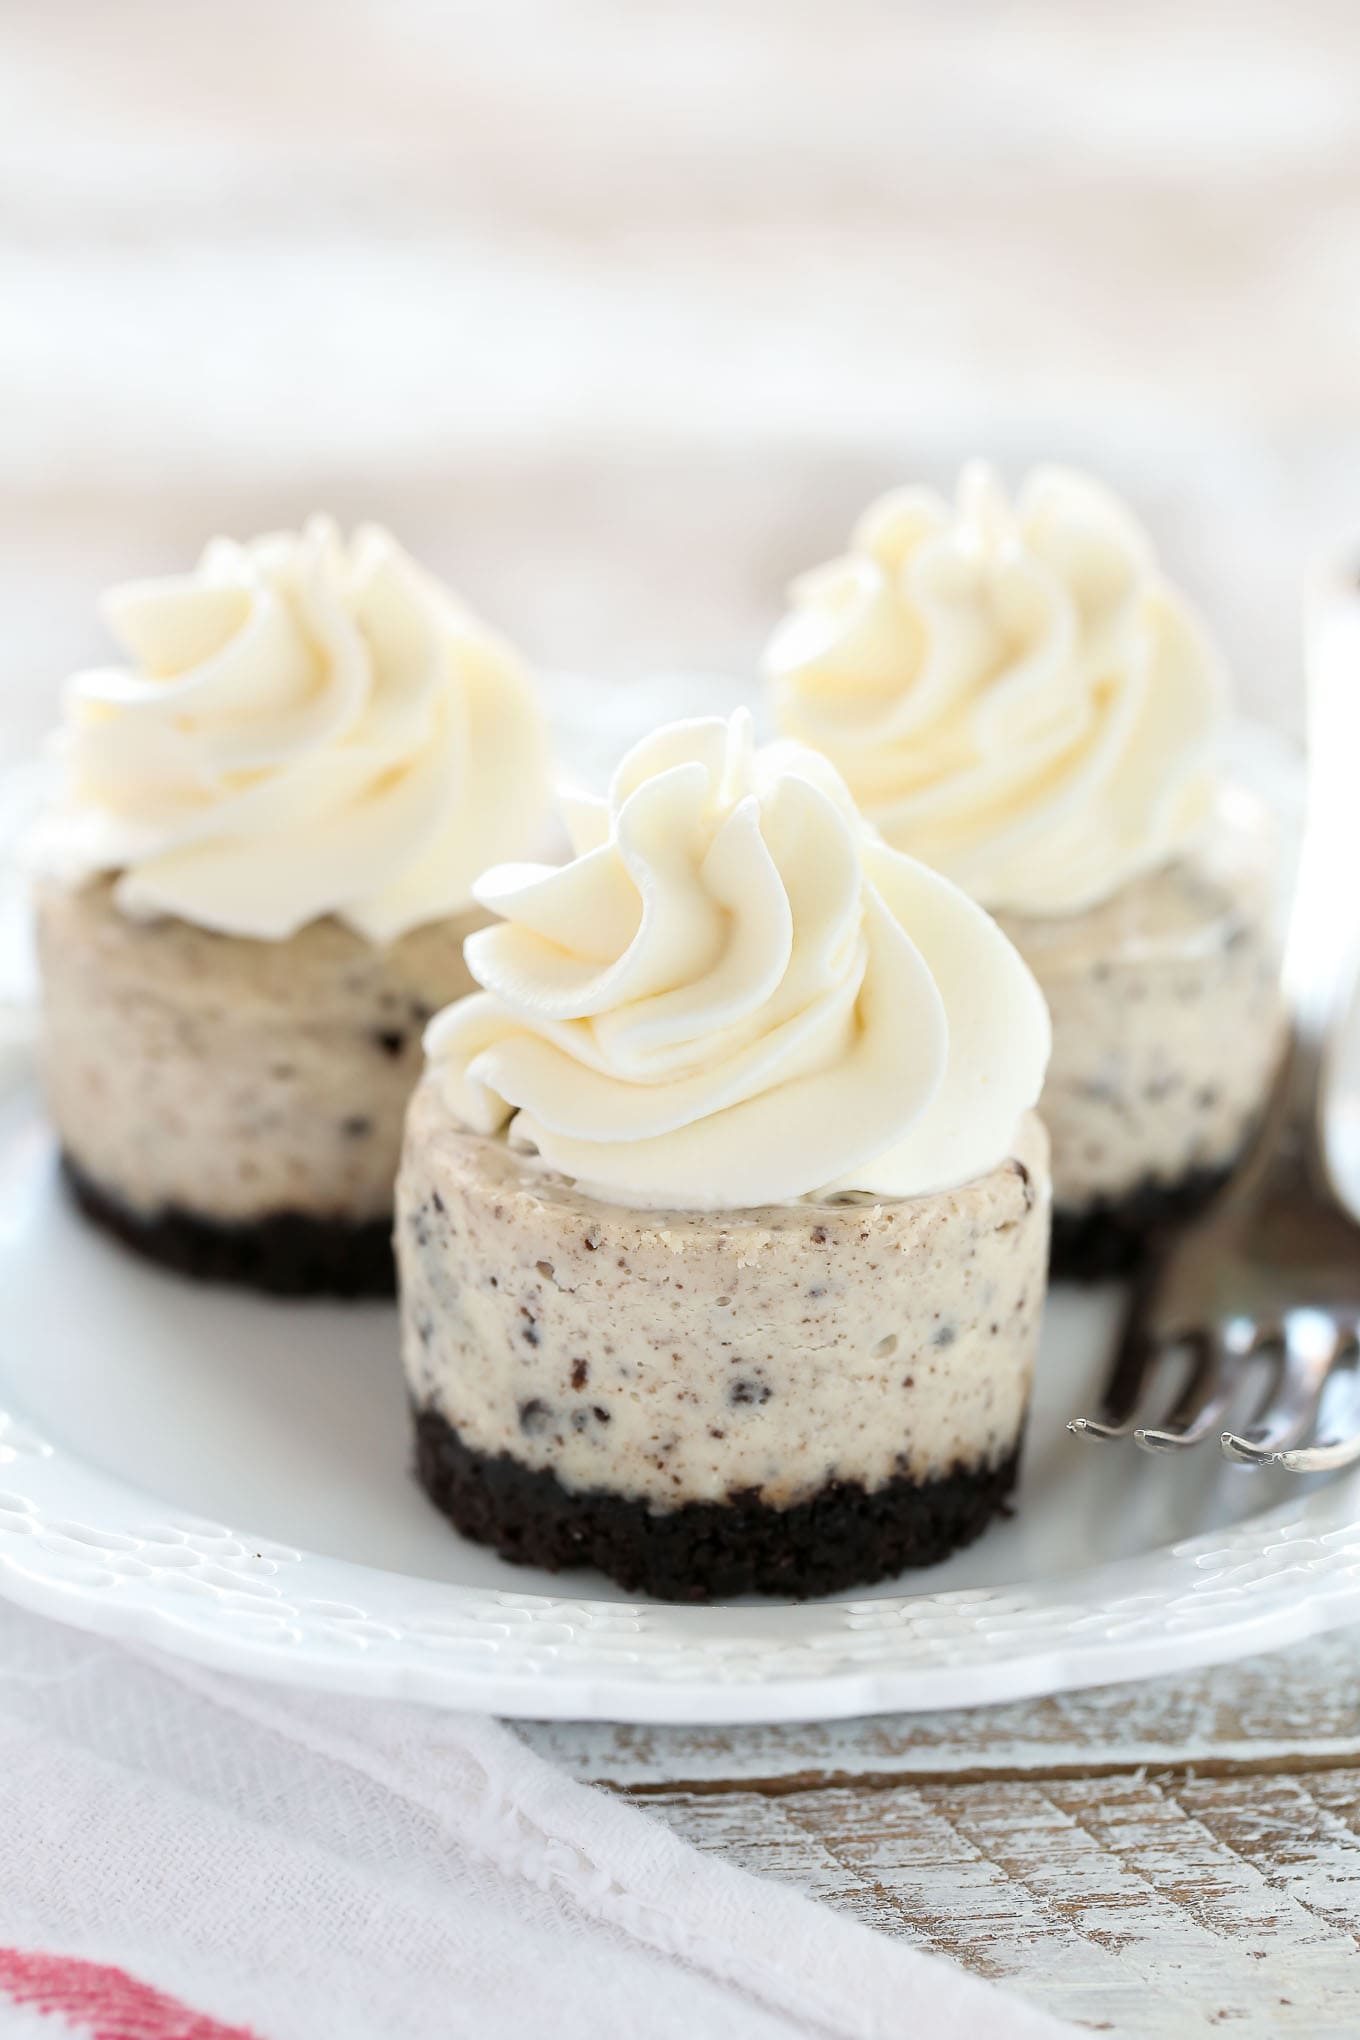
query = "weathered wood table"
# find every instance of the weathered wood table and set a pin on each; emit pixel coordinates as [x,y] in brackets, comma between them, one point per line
[1170,1859]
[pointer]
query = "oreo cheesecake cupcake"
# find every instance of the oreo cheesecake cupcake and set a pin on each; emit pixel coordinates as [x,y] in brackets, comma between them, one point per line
[722,1222]
[253,892]
[1015,694]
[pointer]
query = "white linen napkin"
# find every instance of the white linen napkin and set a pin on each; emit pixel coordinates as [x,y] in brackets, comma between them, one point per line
[185,1856]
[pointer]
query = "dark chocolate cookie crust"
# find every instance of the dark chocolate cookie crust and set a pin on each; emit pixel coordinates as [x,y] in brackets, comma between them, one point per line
[288,1253]
[1110,1236]
[845,1536]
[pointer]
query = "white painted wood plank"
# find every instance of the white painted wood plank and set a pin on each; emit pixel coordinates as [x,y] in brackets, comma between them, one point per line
[1142,1906]
[1297,1706]
[1161,1861]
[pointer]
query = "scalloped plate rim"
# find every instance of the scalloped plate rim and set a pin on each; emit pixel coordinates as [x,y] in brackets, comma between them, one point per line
[1078,1641]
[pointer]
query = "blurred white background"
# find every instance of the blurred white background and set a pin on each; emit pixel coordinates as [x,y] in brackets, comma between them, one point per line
[616,310]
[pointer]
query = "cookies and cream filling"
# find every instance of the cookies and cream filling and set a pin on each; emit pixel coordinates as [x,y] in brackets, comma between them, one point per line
[227,1078]
[1167,1016]
[678,1356]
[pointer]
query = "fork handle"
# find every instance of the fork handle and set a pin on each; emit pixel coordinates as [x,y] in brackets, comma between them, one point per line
[1324,926]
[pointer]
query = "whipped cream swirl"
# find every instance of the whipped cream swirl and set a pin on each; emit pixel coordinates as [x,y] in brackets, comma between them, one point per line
[735,995]
[304,728]
[1012,692]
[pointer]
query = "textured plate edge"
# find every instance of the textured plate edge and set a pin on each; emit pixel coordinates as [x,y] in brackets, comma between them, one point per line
[75,1551]
[544,1694]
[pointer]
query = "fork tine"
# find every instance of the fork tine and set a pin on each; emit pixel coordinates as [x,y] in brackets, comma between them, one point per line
[1199,1407]
[1331,1454]
[1329,1458]
[1313,1347]
[1135,1359]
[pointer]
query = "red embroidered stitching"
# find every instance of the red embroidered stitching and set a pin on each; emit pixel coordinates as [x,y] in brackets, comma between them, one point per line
[109,2003]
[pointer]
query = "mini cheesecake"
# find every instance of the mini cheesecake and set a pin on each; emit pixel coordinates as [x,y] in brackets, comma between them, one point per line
[253,893]
[1015,694]
[714,1274]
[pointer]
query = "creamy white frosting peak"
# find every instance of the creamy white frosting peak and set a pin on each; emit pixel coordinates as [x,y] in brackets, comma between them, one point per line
[735,995]
[304,727]
[1012,691]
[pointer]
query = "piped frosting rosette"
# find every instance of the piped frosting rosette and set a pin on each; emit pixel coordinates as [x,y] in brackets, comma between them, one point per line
[1012,692]
[736,995]
[304,727]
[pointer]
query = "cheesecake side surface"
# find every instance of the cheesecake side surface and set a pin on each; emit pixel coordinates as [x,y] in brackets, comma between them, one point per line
[803,1358]
[1168,1026]
[207,1087]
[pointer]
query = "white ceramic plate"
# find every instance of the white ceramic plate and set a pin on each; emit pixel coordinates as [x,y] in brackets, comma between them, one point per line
[226,1477]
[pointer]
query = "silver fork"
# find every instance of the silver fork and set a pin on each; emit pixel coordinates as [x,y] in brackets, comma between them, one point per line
[1271,1273]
